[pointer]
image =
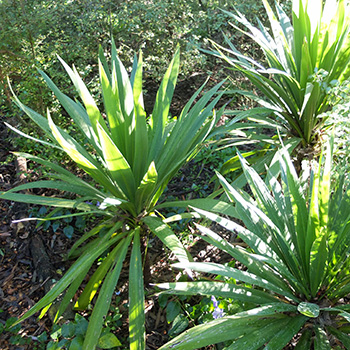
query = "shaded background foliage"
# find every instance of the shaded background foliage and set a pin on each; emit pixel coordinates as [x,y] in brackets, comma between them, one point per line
[33,32]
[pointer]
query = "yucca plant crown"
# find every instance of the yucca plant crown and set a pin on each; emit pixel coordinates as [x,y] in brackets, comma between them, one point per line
[294,264]
[305,57]
[130,158]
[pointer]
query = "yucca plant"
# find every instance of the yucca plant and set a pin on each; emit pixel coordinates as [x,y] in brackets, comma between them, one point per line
[294,264]
[130,158]
[304,58]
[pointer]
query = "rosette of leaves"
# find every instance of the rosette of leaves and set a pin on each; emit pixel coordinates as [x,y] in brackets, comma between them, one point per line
[303,59]
[130,158]
[294,264]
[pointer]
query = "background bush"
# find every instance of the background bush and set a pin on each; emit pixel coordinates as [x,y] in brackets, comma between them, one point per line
[33,32]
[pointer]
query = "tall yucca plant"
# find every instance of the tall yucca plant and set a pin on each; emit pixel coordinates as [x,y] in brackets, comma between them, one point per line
[297,237]
[304,58]
[133,158]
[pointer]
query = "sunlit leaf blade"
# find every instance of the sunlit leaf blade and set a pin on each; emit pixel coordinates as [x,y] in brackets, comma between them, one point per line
[50,201]
[105,296]
[63,174]
[146,187]
[32,138]
[81,157]
[141,131]
[136,297]
[318,263]
[75,110]
[178,217]
[226,290]
[117,165]
[254,340]
[207,204]
[110,99]
[228,328]
[236,274]
[161,107]
[124,87]
[62,186]
[346,315]
[36,117]
[167,236]
[90,105]
[271,309]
